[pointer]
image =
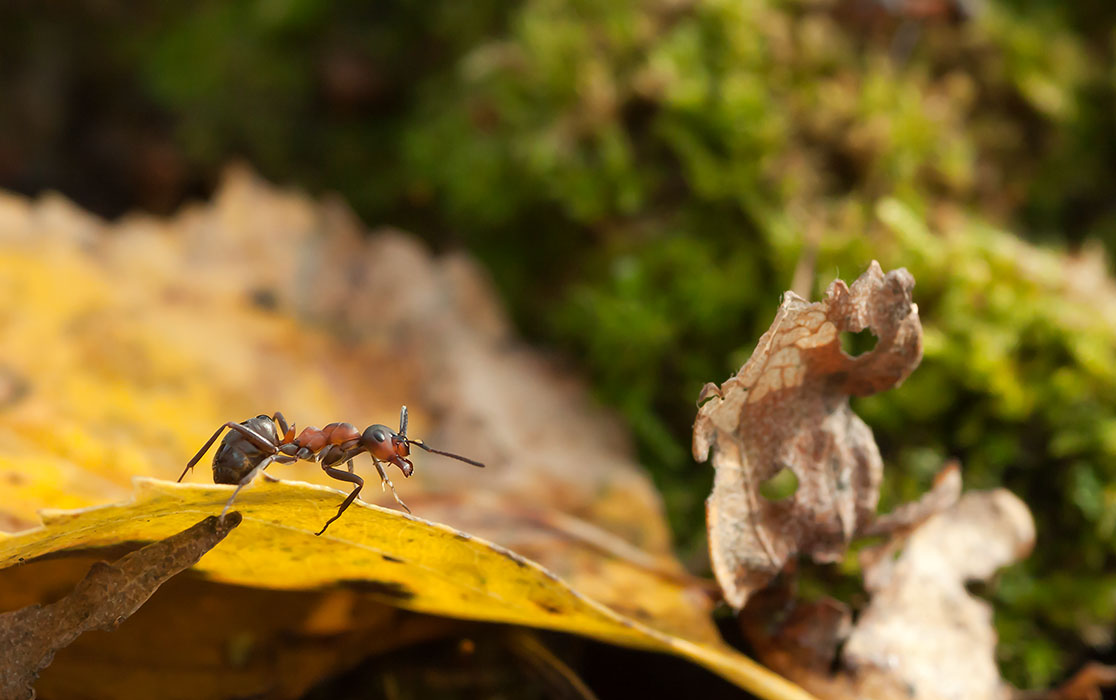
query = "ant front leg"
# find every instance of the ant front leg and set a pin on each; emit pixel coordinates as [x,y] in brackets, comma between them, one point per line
[286,432]
[386,482]
[342,476]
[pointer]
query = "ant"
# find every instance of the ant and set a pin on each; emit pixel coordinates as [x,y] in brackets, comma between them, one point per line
[252,445]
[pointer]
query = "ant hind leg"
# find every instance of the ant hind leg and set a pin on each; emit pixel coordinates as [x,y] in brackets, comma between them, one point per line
[250,435]
[247,480]
[203,450]
[342,476]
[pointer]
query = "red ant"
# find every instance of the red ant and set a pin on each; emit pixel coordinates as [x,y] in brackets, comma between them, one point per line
[251,446]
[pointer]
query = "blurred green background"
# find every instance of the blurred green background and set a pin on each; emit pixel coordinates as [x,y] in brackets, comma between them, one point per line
[643,179]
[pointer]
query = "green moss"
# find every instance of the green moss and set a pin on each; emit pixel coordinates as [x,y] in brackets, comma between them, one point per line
[709,150]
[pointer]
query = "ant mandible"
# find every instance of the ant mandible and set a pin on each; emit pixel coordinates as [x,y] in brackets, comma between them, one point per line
[252,445]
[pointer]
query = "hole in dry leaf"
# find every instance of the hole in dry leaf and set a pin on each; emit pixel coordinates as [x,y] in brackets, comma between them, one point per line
[709,392]
[980,589]
[855,344]
[781,486]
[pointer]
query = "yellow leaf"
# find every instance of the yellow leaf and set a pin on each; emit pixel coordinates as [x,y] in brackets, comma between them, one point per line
[407,561]
[264,300]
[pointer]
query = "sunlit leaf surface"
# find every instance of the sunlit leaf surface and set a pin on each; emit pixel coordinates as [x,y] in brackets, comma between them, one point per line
[126,344]
[407,561]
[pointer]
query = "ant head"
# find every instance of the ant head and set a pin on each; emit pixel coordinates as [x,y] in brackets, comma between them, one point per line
[392,447]
[382,442]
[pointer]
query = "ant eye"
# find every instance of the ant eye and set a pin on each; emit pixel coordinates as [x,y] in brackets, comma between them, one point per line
[377,435]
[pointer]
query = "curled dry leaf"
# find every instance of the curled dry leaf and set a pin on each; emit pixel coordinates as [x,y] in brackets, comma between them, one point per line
[922,620]
[900,522]
[787,409]
[943,494]
[922,636]
[1086,684]
[107,596]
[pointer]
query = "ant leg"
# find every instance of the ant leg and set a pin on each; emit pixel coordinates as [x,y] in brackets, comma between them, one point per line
[247,480]
[343,476]
[386,482]
[403,421]
[331,456]
[278,418]
[286,431]
[279,459]
[252,436]
[202,451]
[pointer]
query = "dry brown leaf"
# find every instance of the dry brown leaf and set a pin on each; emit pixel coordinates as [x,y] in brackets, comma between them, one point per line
[922,620]
[786,633]
[943,494]
[788,408]
[922,636]
[1086,684]
[108,595]
[900,522]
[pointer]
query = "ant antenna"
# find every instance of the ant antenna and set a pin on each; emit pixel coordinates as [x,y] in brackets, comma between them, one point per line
[466,460]
[419,443]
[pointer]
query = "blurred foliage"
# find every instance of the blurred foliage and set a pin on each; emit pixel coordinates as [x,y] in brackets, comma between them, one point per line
[643,178]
